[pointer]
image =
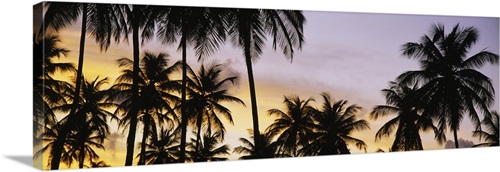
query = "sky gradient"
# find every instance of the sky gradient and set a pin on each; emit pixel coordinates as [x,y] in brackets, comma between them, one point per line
[350,55]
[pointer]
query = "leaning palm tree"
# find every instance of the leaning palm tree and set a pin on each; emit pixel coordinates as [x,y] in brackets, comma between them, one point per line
[336,122]
[207,90]
[491,124]
[103,21]
[208,150]
[155,94]
[203,27]
[163,148]
[248,148]
[407,104]
[449,77]
[248,29]
[292,125]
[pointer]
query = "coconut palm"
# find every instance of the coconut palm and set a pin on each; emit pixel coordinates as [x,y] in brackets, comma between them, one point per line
[406,104]
[103,21]
[336,122]
[291,125]
[49,137]
[449,77]
[47,92]
[491,124]
[163,148]
[155,94]
[248,29]
[208,150]
[204,27]
[207,90]
[248,148]
[91,126]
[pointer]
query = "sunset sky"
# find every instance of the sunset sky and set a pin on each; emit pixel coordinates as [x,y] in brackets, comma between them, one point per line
[350,55]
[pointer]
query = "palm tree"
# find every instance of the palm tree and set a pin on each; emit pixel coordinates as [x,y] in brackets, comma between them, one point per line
[336,123]
[50,136]
[268,151]
[203,27]
[163,148]
[208,150]
[155,94]
[292,125]
[248,27]
[407,104]
[491,137]
[449,78]
[207,90]
[98,164]
[103,22]
[91,126]
[47,92]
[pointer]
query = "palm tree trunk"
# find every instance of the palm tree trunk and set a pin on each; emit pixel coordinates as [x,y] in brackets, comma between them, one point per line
[253,96]
[198,134]
[81,157]
[182,156]
[58,144]
[145,133]
[135,92]
[456,137]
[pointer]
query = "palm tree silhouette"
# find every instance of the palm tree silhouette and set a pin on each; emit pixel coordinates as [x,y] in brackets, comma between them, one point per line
[49,138]
[47,92]
[403,102]
[155,94]
[208,150]
[103,23]
[207,90]
[248,27]
[292,125]
[268,151]
[202,26]
[163,148]
[450,79]
[98,164]
[335,124]
[90,126]
[491,124]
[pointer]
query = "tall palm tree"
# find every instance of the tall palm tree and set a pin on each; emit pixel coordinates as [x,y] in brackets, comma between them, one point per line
[268,151]
[103,22]
[449,77]
[491,124]
[336,122]
[155,94]
[292,125]
[163,148]
[248,29]
[205,28]
[406,104]
[208,150]
[207,90]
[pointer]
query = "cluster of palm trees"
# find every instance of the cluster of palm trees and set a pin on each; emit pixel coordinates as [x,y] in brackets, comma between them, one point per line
[303,130]
[446,88]
[205,28]
[146,95]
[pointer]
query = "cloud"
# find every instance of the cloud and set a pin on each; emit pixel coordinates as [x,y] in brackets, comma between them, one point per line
[230,71]
[114,140]
[461,143]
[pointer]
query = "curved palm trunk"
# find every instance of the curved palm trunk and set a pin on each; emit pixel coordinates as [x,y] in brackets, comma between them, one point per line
[58,144]
[198,134]
[145,133]
[182,156]
[253,96]
[135,94]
